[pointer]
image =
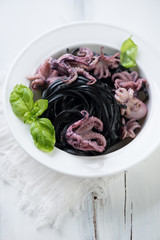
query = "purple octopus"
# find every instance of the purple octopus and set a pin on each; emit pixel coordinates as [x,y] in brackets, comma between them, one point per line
[80,134]
[128,128]
[103,63]
[68,67]
[128,80]
[135,110]
[135,107]
[43,76]
[127,85]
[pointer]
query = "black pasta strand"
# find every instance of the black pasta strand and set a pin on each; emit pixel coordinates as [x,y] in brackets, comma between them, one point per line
[66,101]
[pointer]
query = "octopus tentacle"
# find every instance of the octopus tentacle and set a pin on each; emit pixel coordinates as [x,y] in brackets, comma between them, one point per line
[86,74]
[128,128]
[128,80]
[85,54]
[73,60]
[45,68]
[102,63]
[135,107]
[81,136]
[42,73]
[34,77]
[38,84]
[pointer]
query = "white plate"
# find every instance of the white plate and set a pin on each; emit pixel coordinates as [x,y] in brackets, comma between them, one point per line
[56,41]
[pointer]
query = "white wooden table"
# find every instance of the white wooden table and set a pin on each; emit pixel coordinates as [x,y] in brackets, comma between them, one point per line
[132,210]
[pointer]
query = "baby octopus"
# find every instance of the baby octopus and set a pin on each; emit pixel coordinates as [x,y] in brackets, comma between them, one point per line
[128,80]
[68,67]
[135,107]
[65,68]
[80,134]
[44,76]
[102,64]
[128,128]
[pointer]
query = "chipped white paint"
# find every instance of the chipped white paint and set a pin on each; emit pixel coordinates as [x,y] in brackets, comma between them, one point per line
[132,210]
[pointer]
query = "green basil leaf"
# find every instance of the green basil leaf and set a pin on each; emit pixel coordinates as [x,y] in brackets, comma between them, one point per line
[21,99]
[43,134]
[38,108]
[28,118]
[128,53]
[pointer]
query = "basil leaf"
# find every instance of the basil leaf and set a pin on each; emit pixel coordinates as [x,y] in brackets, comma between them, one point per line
[43,134]
[38,108]
[21,99]
[128,53]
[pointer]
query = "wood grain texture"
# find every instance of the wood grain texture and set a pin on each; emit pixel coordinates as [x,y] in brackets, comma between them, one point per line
[138,193]
[132,210]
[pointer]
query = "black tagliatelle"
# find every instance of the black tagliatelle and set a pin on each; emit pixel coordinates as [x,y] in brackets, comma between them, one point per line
[93,101]
[65,103]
